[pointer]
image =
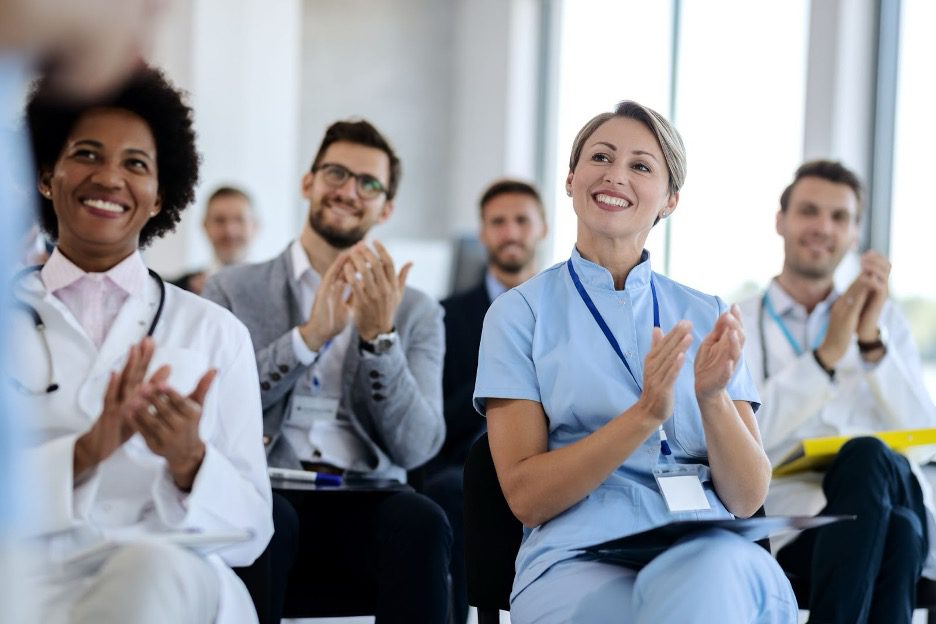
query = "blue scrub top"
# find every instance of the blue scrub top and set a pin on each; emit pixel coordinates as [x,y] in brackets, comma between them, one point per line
[541,343]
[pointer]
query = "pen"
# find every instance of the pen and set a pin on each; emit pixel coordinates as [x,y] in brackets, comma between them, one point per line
[308,476]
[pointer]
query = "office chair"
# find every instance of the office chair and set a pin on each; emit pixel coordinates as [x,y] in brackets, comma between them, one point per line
[492,536]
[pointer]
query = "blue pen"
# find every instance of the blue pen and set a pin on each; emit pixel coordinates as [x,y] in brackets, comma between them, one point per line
[307,476]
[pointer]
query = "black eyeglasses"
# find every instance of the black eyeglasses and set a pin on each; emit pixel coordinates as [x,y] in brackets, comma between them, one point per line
[335,175]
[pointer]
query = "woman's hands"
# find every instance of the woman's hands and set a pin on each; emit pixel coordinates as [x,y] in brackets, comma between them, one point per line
[167,420]
[114,426]
[719,355]
[661,368]
[169,423]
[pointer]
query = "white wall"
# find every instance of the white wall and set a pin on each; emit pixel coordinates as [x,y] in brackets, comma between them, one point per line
[451,83]
[240,61]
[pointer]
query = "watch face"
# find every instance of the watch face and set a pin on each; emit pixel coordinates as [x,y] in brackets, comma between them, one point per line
[383,345]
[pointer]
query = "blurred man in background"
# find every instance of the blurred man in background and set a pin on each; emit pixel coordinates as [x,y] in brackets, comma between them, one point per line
[513,224]
[230,224]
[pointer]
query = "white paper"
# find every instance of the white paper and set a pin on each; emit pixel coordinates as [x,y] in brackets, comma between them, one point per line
[683,493]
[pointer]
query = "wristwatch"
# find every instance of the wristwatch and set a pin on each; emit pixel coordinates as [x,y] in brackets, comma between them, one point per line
[380,344]
[874,345]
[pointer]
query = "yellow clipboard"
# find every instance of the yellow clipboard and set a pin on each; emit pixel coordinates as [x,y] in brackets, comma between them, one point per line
[818,453]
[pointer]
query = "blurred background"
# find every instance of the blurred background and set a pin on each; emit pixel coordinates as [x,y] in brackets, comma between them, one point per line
[471,90]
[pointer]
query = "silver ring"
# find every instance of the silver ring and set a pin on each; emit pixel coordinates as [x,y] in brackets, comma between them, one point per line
[151,409]
[358,276]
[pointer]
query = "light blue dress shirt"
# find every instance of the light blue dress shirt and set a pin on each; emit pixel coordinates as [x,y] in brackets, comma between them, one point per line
[541,343]
[15,198]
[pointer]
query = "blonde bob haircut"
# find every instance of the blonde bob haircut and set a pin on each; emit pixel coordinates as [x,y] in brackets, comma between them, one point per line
[671,144]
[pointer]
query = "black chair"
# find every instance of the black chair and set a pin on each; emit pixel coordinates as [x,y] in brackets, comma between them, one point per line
[492,536]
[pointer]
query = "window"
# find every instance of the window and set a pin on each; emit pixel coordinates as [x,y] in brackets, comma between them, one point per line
[739,106]
[913,219]
[739,103]
[610,50]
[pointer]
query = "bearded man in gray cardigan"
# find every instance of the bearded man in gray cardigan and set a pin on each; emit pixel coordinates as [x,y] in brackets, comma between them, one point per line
[350,363]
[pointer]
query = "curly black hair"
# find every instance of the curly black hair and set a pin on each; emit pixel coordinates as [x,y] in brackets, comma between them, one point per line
[146,93]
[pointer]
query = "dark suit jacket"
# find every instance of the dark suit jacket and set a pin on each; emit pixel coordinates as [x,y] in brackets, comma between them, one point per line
[464,317]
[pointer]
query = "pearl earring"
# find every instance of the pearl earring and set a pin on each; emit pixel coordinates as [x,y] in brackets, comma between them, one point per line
[569,192]
[154,213]
[665,214]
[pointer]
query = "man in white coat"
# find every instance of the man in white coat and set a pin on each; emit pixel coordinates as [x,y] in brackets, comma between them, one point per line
[833,363]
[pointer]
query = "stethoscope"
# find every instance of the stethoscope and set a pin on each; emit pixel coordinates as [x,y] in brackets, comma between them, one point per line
[41,327]
[765,307]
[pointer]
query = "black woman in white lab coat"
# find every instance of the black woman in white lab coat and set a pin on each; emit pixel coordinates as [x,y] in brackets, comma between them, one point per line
[143,398]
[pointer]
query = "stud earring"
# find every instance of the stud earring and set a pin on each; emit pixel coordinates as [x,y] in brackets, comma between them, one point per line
[569,192]
[154,213]
[665,214]
[47,193]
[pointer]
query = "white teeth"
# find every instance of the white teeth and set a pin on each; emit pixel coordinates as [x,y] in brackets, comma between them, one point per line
[100,204]
[613,201]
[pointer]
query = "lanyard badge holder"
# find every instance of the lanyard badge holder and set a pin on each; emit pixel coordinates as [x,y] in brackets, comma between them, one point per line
[679,484]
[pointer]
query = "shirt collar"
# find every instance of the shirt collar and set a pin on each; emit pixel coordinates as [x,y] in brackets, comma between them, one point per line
[300,263]
[129,274]
[493,286]
[784,304]
[595,275]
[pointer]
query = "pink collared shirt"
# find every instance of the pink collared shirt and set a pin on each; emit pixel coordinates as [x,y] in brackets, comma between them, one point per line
[94,298]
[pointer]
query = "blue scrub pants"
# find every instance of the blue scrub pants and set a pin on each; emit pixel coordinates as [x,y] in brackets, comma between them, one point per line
[715,576]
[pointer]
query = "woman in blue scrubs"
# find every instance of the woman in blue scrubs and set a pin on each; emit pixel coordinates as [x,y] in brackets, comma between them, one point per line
[618,400]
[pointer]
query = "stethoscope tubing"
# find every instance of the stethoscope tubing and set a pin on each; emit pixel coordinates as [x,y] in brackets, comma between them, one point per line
[41,326]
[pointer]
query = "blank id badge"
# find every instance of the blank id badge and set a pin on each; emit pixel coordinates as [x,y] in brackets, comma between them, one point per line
[681,487]
[306,409]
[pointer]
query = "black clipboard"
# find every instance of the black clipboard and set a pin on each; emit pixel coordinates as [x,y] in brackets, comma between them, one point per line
[637,550]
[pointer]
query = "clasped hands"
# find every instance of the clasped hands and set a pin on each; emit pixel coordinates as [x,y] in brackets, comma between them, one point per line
[167,420]
[361,284]
[857,312]
[715,363]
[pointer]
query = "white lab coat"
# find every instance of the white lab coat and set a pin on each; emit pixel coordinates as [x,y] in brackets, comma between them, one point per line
[131,493]
[800,401]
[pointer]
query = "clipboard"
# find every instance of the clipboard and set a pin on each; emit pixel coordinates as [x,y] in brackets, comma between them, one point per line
[196,541]
[818,453]
[637,550]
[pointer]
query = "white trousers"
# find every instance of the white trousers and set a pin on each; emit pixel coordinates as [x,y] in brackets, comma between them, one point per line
[142,583]
[716,577]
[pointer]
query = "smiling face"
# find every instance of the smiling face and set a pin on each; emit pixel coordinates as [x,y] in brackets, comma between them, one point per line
[818,227]
[103,186]
[620,186]
[338,213]
[229,225]
[511,227]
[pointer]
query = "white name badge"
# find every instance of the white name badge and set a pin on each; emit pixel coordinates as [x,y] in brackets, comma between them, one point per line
[681,488]
[306,410]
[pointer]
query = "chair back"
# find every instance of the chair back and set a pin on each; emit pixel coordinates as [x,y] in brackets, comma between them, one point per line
[492,533]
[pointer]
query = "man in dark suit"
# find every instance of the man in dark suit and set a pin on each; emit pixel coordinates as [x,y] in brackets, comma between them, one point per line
[512,225]
[350,363]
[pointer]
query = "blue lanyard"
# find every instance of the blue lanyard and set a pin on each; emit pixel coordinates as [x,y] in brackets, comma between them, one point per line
[797,347]
[664,446]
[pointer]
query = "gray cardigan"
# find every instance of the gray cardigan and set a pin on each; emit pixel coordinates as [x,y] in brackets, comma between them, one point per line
[393,400]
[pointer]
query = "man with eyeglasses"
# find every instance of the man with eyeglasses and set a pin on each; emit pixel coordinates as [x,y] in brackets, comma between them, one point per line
[350,363]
